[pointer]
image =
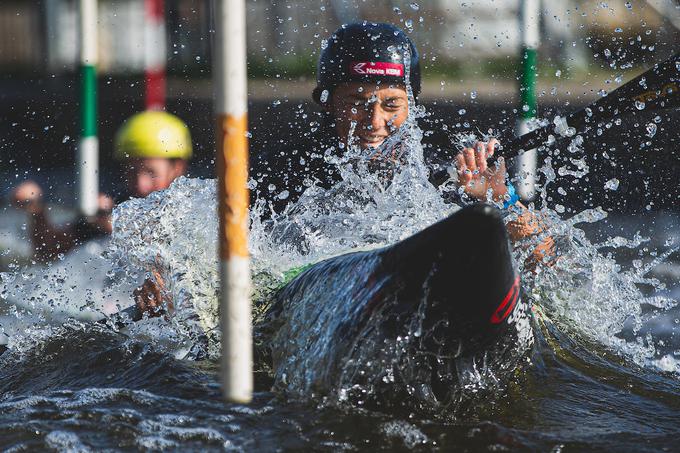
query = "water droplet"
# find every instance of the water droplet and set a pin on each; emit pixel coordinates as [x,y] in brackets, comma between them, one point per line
[559,208]
[397,10]
[414,6]
[276,102]
[651,130]
[629,5]
[461,112]
[473,94]
[409,24]
[558,73]
[639,105]
[607,53]
[324,96]
[66,138]
[612,184]
[618,30]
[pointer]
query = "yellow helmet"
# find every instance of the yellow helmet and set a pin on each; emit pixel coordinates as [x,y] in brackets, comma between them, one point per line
[153,134]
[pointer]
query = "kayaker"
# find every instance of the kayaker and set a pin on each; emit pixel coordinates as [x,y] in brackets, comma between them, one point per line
[363,85]
[364,73]
[153,147]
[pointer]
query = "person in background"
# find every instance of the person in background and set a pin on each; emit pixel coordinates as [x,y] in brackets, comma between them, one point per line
[153,147]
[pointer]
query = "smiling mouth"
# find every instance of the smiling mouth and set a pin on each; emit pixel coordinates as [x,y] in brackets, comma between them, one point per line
[372,140]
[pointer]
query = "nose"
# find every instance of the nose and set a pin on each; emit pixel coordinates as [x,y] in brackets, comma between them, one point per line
[141,184]
[377,117]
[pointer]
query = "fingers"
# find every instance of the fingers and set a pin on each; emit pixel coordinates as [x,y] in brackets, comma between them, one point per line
[464,175]
[105,203]
[474,173]
[148,298]
[480,157]
[158,278]
[492,146]
[472,160]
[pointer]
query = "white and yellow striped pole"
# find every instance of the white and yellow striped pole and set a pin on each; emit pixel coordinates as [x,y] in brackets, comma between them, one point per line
[88,146]
[530,11]
[229,72]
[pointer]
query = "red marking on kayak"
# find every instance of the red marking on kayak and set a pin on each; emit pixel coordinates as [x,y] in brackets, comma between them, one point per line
[378,68]
[508,304]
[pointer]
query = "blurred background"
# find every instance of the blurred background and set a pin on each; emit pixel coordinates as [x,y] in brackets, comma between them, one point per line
[470,54]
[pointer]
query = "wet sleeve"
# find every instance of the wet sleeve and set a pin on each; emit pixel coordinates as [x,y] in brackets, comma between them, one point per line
[84,231]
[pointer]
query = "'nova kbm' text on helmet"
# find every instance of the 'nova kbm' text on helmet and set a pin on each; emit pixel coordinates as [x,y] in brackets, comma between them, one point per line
[366,52]
[153,134]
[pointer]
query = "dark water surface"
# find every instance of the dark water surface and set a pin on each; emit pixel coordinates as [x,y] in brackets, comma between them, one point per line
[87,388]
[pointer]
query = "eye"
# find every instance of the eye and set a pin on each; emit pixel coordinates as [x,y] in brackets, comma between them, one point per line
[392,104]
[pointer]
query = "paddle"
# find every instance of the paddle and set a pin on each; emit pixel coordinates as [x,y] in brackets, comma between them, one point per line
[655,89]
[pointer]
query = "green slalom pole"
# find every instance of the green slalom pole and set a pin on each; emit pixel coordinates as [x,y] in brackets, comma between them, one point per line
[530,32]
[88,145]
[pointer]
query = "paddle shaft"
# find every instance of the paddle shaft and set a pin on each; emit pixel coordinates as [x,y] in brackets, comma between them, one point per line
[656,89]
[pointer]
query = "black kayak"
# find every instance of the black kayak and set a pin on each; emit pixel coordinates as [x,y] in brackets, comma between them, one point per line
[421,323]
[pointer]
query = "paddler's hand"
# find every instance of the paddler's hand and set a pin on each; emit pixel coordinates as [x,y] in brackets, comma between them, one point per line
[152,298]
[476,177]
[28,196]
[103,217]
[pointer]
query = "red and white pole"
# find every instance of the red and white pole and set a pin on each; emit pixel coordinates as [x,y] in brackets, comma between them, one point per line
[154,54]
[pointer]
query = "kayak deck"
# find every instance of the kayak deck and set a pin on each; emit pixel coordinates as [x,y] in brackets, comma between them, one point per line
[419,321]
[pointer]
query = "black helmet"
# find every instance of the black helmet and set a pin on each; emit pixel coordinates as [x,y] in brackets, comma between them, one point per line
[366,52]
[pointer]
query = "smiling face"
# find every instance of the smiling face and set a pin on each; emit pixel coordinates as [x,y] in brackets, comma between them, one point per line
[378,110]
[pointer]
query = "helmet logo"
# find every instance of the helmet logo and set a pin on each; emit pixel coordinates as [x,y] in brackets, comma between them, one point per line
[378,68]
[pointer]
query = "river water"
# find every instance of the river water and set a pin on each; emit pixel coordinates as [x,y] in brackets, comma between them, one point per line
[603,373]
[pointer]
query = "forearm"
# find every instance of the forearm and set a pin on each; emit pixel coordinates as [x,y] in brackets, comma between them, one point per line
[47,239]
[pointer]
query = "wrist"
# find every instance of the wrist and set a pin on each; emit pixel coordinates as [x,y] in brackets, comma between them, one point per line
[510,198]
[34,207]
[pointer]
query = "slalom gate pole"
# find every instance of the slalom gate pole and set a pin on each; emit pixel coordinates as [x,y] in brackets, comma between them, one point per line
[88,146]
[154,54]
[229,72]
[530,32]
